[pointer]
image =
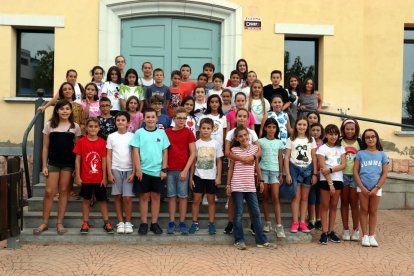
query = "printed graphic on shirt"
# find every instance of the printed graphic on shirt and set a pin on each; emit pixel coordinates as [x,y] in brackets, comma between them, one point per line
[175,100]
[205,158]
[302,155]
[332,158]
[92,160]
[350,152]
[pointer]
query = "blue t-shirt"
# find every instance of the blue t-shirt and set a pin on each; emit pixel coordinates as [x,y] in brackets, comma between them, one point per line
[150,144]
[370,167]
[163,122]
[270,153]
[164,91]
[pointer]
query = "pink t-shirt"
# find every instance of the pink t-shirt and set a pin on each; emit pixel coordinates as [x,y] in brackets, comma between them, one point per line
[135,121]
[94,110]
[231,120]
[243,174]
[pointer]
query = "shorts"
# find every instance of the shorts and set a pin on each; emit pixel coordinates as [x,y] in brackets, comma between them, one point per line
[270,177]
[87,190]
[314,197]
[121,185]
[301,175]
[148,184]
[207,186]
[175,187]
[338,185]
[379,192]
[59,168]
[349,181]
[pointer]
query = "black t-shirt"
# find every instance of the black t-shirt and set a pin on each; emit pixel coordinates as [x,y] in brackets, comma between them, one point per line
[269,92]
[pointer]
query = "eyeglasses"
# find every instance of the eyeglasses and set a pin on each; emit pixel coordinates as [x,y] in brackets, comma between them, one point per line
[181,118]
[370,137]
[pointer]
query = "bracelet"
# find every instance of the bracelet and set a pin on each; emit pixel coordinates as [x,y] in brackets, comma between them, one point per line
[330,169]
[228,186]
[378,187]
[330,183]
[261,181]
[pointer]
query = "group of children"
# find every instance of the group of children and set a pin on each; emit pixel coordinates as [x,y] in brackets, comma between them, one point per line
[142,135]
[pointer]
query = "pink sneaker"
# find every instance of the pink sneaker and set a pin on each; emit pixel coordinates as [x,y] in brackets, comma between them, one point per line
[294,228]
[304,228]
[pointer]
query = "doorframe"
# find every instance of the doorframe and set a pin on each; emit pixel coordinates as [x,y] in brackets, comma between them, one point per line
[111,12]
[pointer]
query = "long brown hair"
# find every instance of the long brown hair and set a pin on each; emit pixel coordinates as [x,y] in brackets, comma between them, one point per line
[307,132]
[54,120]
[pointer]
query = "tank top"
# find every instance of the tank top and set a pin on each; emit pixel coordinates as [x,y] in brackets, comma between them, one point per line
[310,101]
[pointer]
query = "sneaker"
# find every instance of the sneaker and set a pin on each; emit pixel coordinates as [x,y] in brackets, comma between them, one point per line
[267,227]
[346,235]
[252,230]
[333,237]
[128,228]
[229,229]
[108,228]
[311,226]
[227,204]
[304,228]
[120,228]
[193,228]
[280,232]
[240,245]
[365,241]
[183,228]
[211,229]
[318,225]
[171,228]
[84,228]
[156,229]
[324,239]
[143,229]
[355,235]
[372,241]
[267,245]
[294,228]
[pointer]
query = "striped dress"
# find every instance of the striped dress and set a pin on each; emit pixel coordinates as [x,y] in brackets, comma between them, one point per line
[243,174]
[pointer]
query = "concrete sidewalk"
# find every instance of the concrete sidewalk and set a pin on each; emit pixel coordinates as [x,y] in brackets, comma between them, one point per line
[394,256]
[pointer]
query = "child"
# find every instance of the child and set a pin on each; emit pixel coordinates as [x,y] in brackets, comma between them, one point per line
[331,158]
[241,186]
[176,95]
[226,96]
[205,174]
[349,196]
[215,113]
[90,173]
[120,63]
[202,80]
[158,88]
[281,117]
[309,98]
[208,69]
[251,77]
[147,80]
[121,172]
[293,91]
[181,154]
[200,101]
[191,123]
[150,157]
[106,120]
[271,165]
[59,137]
[313,117]
[275,88]
[136,117]
[111,88]
[130,88]
[301,171]
[67,92]
[370,174]
[186,86]
[240,99]
[258,106]
[163,121]
[242,68]
[218,80]
[235,85]
[97,73]
[90,103]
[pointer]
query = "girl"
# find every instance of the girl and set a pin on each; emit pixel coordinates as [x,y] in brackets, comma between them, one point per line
[331,158]
[191,123]
[90,102]
[120,63]
[240,101]
[313,118]
[251,77]
[97,73]
[301,169]
[111,88]
[241,186]
[309,98]
[226,97]
[281,118]
[242,68]
[136,116]
[370,173]
[271,165]
[200,101]
[293,89]
[349,196]
[258,106]
[67,92]
[59,137]
[130,88]
[215,113]
[147,80]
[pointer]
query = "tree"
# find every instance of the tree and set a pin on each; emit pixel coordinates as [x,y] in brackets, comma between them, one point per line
[297,68]
[44,71]
[409,103]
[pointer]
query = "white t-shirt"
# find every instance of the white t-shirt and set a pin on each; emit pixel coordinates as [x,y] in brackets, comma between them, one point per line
[246,91]
[332,156]
[111,90]
[199,109]
[78,94]
[252,137]
[301,151]
[144,82]
[219,125]
[207,152]
[257,110]
[214,92]
[121,151]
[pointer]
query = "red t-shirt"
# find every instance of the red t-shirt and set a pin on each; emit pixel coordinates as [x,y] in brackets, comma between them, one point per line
[187,87]
[91,153]
[178,152]
[176,98]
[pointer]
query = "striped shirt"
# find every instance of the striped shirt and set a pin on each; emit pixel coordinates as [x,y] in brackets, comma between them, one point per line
[243,174]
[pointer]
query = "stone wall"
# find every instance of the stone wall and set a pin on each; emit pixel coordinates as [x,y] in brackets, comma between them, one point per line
[402,166]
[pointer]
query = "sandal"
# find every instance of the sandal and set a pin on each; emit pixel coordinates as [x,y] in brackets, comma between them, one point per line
[73,194]
[39,230]
[60,230]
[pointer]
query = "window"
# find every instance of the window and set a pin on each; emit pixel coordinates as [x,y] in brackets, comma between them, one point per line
[408,79]
[34,62]
[301,59]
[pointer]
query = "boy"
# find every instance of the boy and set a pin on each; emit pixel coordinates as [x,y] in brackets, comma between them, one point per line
[163,121]
[120,171]
[158,88]
[275,88]
[181,154]
[208,69]
[106,120]
[90,172]
[150,157]
[205,174]
[186,85]
[176,95]
[218,79]
[235,86]
[202,80]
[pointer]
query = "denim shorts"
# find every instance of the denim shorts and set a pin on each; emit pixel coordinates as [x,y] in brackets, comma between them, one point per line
[270,177]
[314,197]
[301,175]
[349,181]
[59,168]
[175,187]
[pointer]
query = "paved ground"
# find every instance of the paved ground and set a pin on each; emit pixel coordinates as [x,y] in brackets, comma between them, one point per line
[395,256]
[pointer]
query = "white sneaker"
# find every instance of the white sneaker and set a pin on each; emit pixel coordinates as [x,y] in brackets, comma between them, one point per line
[120,228]
[128,228]
[355,235]
[280,232]
[267,227]
[346,235]
[205,202]
[365,241]
[227,204]
[372,241]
